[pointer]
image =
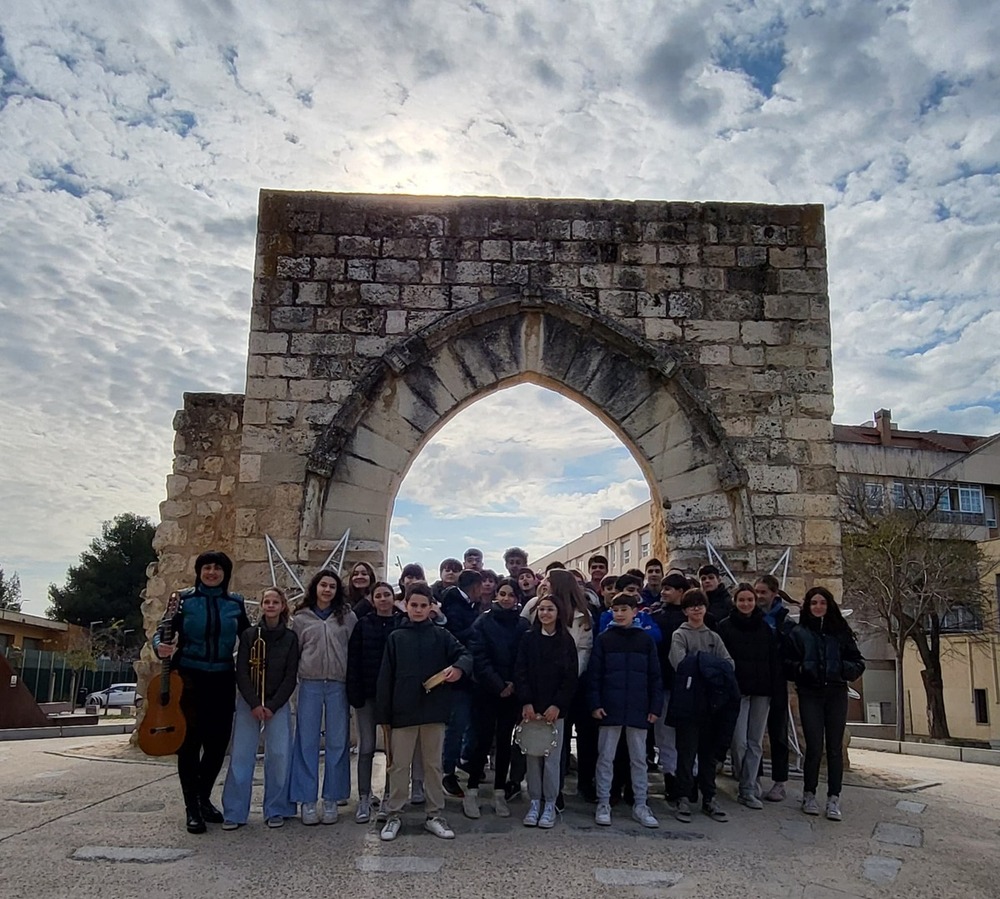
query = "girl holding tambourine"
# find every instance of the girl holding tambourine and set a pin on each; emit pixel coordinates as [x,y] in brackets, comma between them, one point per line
[545,677]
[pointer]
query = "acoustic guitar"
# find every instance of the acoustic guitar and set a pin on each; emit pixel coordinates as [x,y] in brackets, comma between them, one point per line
[163,726]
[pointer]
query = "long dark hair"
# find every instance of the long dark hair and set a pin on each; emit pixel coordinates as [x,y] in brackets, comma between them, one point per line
[835,623]
[310,600]
[561,608]
[568,595]
[355,596]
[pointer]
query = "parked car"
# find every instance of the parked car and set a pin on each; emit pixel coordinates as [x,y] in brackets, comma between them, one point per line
[115,696]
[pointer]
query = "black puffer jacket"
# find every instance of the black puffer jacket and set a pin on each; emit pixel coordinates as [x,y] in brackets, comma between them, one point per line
[753,646]
[495,638]
[546,670]
[817,658]
[668,618]
[364,655]
[720,603]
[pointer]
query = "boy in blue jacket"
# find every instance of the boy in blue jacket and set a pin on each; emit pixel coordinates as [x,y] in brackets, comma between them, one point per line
[626,691]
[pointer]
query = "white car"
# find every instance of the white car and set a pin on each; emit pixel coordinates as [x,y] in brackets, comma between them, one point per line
[115,696]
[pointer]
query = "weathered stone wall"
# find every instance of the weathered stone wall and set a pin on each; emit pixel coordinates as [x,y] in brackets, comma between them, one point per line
[199,512]
[699,332]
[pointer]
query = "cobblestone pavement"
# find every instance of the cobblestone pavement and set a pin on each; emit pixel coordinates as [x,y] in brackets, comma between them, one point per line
[90,817]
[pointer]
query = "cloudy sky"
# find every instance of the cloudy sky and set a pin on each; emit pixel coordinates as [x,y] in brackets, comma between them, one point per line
[134,139]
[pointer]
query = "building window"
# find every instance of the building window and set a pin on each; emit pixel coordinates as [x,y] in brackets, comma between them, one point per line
[644,545]
[626,554]
[982,708]
[875,497]
[961,619]
[612,553]
[991,512]
[970,498]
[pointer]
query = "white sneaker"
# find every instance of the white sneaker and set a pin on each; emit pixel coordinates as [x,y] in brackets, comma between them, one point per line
[470,803]
[809,804]
[309,814]
[750,801]
[500,804]
[603,814]
[275,821]
[548,816]
[439,827]
[329,812]
[644,816]
[534,809]
[230,825]
[391,828]
[363,813]
[832,809]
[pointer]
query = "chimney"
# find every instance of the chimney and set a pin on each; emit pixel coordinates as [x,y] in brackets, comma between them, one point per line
[883,421]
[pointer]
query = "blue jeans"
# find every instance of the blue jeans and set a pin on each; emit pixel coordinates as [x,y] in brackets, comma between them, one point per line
[458,736]
[315,697]
[243,758]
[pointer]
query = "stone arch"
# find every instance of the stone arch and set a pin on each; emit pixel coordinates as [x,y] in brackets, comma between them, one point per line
[635,387]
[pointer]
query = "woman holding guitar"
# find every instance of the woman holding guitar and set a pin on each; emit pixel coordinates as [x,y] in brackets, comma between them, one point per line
[205,629]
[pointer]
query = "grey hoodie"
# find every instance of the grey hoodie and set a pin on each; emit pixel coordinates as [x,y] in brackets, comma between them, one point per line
[687,639]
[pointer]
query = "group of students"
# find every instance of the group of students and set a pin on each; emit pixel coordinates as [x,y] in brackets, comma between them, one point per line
[635,665]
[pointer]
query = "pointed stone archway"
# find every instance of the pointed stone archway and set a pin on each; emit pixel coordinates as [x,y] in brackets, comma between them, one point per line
[700,333]
[633,386]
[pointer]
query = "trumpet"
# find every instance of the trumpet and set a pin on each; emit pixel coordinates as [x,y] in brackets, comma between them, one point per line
[258,664]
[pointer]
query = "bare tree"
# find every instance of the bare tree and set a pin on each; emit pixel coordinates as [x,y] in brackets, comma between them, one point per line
[909,570]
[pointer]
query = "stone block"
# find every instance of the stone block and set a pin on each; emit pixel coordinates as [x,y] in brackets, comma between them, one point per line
[468,273]
[772,333]
[357,245]
[711,332]
[651,305]
[203,487]
[663,277]
[637,254]
[684,304]
[293,267]
[629,277]
[286,367]
[880,870]
[719,256]
[372,347]
[360,269]
[321,344]
[307,390]
[808,429]
[362,320]
[532,251]
[802,280]
[778,531]
[812,334]
[703,278]
[404,248]
[324,269]
[822,532]
[662,330]
[283,468]
[787,257]
[791,306]
[397,271]
[616,303]
[463,297]
[266,388]
[395,321]
[899,834]
[773,478]
[678,255]
[175,509]
[250,465]
[599,276]
[749,356]
[591,230]
[281,412]
[246,522]
[495,251]
[268,344]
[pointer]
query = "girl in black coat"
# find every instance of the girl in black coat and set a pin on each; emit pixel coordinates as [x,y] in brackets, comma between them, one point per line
[753,646]
[823,658]
[364,659]
[545,677]
[496,636]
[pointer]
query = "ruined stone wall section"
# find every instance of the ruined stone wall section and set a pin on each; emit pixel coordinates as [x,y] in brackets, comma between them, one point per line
[736,293]
[199,512]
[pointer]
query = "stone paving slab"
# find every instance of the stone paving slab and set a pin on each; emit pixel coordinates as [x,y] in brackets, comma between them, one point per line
[898,834]
[635,877]
[399,864]
[880,870]
[908,805]
[133,854]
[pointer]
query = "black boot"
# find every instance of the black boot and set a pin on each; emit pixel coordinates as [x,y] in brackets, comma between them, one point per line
[209,813]
[195,821]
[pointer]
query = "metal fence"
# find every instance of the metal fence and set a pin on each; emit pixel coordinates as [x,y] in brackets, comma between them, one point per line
[50,678]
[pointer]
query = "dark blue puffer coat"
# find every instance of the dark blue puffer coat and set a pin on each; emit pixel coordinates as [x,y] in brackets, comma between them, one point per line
[495,638]
[624,677]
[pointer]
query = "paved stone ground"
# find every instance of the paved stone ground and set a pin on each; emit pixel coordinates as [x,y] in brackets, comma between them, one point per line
[88,817]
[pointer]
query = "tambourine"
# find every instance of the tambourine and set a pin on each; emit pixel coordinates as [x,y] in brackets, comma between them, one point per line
[536,738]
[435,680]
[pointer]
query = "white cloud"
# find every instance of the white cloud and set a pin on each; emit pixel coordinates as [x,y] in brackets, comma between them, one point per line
[133,144]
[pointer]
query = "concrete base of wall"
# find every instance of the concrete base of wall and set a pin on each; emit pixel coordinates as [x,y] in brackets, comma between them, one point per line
[69,730]
[930,750]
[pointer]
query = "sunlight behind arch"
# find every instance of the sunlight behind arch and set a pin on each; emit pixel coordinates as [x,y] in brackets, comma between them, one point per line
[523,466]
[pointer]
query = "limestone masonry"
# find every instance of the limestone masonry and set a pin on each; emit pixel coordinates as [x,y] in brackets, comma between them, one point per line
[699,332]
